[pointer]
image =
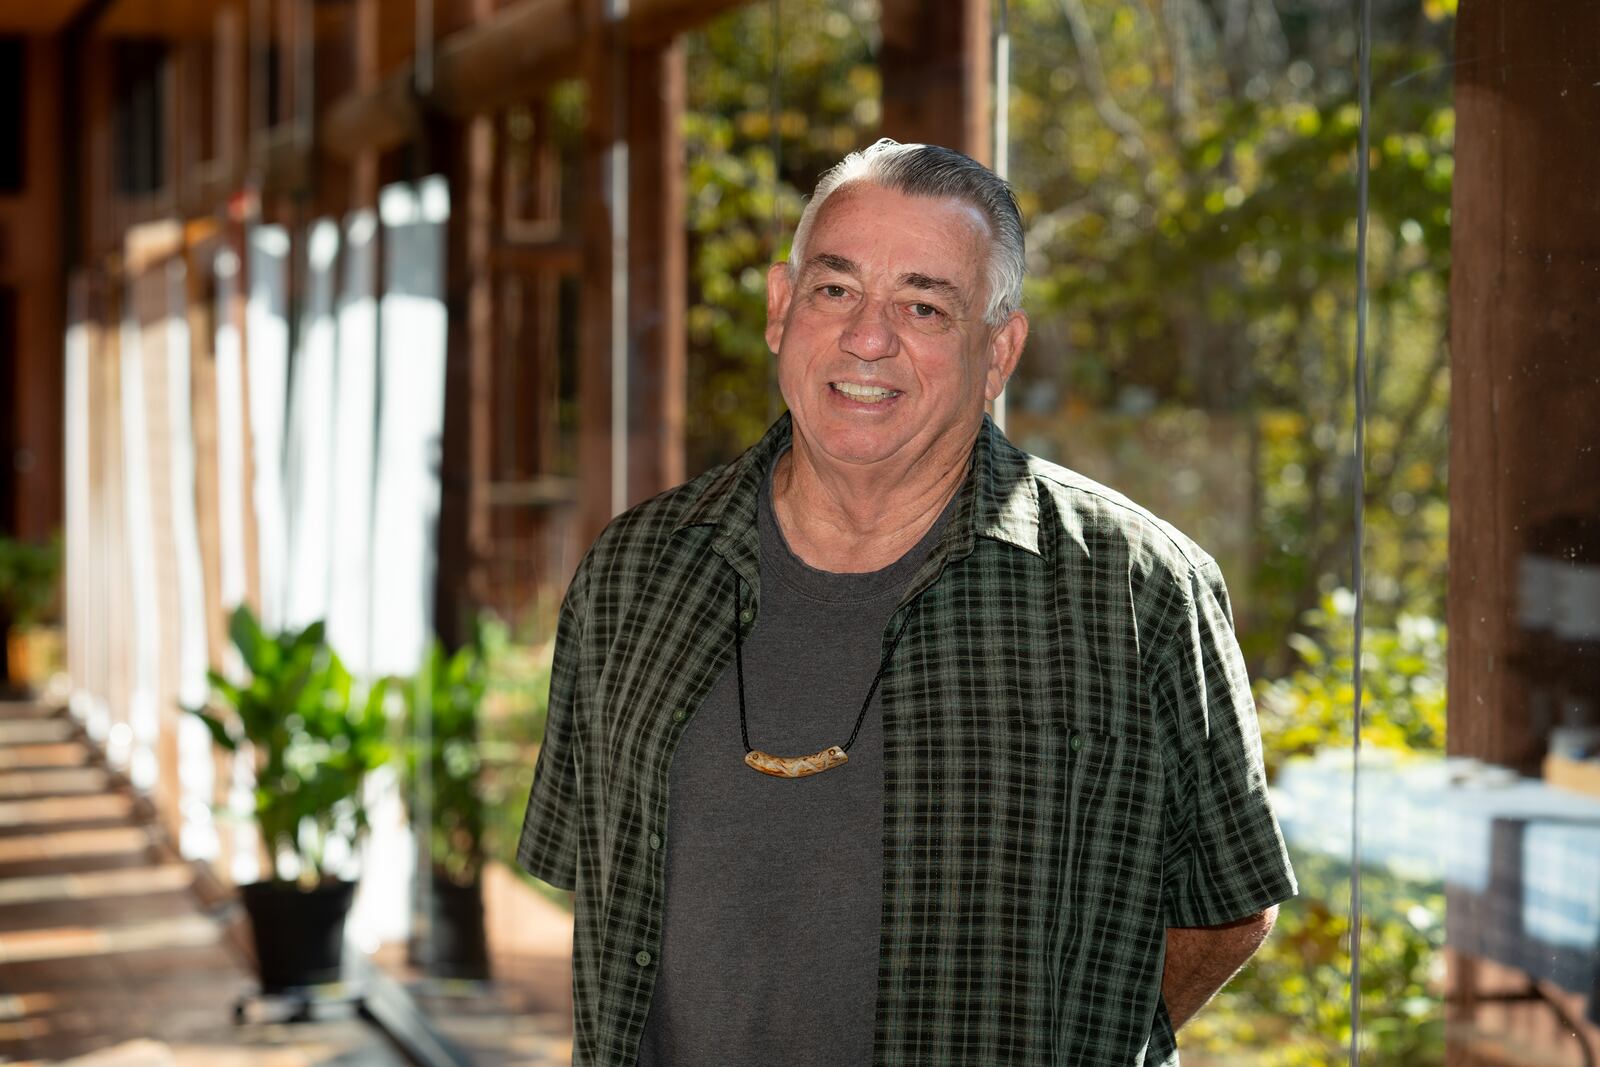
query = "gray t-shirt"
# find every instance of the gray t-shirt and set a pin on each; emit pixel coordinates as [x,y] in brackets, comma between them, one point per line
[769,944]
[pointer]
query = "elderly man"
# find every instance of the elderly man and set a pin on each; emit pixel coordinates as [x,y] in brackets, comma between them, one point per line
[888,743]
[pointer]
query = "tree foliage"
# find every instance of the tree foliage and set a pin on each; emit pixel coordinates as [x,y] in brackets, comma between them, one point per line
[756,143]
[1187,173]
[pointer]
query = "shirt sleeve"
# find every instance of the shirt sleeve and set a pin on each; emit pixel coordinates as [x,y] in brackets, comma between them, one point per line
[1225,856]
[548,847]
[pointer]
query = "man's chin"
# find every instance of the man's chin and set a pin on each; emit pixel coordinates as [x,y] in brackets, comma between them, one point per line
[858,447]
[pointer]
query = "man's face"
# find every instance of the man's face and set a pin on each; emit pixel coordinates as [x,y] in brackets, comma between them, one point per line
[881,344]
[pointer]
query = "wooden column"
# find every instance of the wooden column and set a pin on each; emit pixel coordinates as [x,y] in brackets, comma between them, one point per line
[364,168]
[1525,440]
[602,72]
[31,263]
[636,92]
[463,515]
[937,66]
[657,261]
[468,159]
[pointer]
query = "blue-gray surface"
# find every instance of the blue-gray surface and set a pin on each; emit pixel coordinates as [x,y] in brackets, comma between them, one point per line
[1520,860]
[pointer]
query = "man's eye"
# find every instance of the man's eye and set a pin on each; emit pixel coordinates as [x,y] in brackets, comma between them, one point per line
[925,311]
[834,291]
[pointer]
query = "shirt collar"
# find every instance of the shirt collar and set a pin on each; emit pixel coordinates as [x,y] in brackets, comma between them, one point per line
[998,501]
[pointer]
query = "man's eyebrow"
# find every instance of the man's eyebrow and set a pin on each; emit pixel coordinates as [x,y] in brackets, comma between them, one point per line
[829,261]
[914,280]
[943,286]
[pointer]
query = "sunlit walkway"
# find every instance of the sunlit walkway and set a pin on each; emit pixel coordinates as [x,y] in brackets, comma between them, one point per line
[109,957]
[106,954]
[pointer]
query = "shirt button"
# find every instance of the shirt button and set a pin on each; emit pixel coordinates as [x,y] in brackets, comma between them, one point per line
[1077,741]
[679,715]
[747,616]
[642,959]
[655,841]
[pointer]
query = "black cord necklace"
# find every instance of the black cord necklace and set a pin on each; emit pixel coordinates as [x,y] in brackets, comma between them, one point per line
[817,762]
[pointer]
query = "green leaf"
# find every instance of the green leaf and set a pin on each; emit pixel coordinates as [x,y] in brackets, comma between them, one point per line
[219,732]
[245,632]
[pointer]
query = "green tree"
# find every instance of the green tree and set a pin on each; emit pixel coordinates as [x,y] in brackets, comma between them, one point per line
[752,157]
[1189,183]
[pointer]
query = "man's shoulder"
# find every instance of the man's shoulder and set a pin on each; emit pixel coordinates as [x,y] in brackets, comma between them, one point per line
[646,529]
[1100,518]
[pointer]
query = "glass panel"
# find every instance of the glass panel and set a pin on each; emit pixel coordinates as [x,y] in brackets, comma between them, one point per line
[1482,840]
[1187,173]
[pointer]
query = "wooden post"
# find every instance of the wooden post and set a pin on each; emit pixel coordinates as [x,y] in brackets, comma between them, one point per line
[463,515]
[364,169]
[602,71]
[29,227]
[657,261]
[1524,442]
[936,64]
[637,97]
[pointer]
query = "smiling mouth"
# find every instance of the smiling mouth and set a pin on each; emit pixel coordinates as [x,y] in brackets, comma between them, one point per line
[866,394]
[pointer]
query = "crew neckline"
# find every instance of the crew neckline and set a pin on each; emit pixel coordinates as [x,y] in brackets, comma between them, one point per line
[835,586]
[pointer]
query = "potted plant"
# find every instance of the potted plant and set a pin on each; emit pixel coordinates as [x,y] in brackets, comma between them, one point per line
[314,741]
[28,577]
[441,772]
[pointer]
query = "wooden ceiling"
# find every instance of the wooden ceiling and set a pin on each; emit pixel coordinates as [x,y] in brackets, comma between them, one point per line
[120,18]
[173,19]
[36,16]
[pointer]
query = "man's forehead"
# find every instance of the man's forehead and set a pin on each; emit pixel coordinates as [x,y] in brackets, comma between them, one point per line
[865,188]
[933,258]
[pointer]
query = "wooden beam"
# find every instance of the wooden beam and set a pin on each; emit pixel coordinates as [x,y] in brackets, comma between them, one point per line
[524,48]
[655,23]
[936,63]
[563,255]
[476,69]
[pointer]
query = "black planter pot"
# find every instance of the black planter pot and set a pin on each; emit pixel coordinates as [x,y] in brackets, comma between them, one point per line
[451,943]
[299,933]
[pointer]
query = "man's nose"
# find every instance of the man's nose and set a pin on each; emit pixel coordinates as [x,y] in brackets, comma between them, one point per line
[870,332]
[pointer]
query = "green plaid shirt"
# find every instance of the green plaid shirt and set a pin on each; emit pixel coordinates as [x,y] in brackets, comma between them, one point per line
[1071,763]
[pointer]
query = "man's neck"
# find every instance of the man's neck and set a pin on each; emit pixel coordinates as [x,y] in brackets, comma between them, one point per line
[855,521]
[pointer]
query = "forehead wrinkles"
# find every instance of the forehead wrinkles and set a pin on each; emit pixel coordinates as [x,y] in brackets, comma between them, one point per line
[956,259]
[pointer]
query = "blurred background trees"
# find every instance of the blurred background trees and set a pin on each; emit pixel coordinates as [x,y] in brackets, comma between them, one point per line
[1187,174]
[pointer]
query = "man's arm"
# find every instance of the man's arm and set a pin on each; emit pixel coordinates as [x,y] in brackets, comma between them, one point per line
[1201,959]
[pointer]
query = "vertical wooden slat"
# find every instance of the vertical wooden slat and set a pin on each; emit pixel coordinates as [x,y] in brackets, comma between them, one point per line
[201,315]
[151,293]
[231,81]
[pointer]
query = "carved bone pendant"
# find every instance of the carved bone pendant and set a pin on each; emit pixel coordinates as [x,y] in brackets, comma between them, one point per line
[796,766]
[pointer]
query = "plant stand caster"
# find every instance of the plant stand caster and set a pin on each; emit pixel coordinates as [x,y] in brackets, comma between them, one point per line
[299,1004]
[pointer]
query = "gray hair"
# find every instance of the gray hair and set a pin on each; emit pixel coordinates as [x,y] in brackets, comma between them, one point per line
[932,171]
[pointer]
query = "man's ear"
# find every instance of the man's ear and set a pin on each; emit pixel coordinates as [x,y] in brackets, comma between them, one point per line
[779,291]
[1005,348]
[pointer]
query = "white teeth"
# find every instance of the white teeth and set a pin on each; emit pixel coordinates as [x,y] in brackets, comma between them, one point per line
[870,394]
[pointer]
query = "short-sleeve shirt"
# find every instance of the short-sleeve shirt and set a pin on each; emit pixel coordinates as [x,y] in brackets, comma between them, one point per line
[1071,763]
